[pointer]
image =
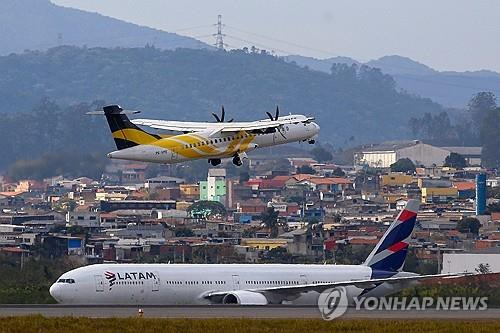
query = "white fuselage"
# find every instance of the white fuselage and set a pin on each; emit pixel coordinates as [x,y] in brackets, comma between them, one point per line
[184,284]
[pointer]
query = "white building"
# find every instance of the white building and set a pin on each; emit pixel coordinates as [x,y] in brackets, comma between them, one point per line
[83,219]
[469,262]
[163,182]
[387,153]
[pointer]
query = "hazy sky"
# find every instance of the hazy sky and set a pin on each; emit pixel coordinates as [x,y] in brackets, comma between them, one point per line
[444,34]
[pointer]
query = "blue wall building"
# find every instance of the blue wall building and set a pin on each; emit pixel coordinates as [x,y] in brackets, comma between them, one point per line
[480,193]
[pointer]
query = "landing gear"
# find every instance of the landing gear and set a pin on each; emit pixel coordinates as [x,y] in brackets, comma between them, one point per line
[237,160]
[311,142]
[214,161]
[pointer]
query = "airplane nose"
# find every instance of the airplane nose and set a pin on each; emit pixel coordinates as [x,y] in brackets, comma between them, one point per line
[316,127]
[55,292]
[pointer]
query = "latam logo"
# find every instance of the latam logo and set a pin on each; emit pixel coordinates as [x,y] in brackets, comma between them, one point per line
[111,277]
[128,276]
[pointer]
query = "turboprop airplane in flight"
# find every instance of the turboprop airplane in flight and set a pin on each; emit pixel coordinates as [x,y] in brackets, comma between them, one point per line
[202,140]
[245,284]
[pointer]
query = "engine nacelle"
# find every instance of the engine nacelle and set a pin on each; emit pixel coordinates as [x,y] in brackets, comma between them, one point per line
[243,297]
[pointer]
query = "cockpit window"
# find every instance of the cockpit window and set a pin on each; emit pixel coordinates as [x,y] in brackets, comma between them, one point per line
[66,281]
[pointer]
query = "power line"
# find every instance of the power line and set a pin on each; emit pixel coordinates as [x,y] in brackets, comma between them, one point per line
[271,48]
[283,41]
[257,44]
[193,28]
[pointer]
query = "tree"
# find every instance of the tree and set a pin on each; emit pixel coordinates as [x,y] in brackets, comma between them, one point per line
[479,106]
[283,164]
[270,220]
[403,165]
[455,160]
[360,97]
[436,128]
[205,209]
[321,154]
[490,139]
[338,172]
[469,225]
[306,169]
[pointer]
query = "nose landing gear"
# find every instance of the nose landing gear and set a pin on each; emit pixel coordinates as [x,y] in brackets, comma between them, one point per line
[311,142]
[238,158]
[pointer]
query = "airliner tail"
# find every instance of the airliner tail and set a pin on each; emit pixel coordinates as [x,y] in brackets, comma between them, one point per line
[389,254]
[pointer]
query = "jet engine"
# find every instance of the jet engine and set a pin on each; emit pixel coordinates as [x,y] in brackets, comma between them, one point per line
[243,297]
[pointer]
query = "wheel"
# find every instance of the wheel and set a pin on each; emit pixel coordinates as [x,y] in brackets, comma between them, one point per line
[215,161]
[311,142]
[237,161]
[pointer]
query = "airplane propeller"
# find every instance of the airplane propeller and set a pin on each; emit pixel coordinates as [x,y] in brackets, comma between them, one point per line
[222,115]
[276,115]
[275,118]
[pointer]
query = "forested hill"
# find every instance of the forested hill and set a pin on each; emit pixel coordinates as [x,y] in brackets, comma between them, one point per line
[451,89]
[40,24]
[188,84]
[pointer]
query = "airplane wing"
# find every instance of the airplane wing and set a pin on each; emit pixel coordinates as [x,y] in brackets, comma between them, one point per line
[215,128]
[320,287]
[178,126]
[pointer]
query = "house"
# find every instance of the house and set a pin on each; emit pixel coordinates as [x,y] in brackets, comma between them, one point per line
[163,182]
[264,243]
[85,219]
[252,206]
[396,179]
[465,189]
[324,184]
[190,191]
[438,194]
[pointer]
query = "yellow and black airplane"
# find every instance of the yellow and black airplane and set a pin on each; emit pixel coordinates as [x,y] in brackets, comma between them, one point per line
[202,140]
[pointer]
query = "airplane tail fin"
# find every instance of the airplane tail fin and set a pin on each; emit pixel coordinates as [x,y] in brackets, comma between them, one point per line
[124,132]
[388,256]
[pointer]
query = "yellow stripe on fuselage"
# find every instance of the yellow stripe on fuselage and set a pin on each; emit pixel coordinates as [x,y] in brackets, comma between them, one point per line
[134,135]
[246,142]
[178,144]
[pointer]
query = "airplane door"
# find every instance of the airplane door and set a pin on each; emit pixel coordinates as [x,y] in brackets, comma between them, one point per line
[99,283]
[236,282]
[174,155]
[156,282]
[303,279]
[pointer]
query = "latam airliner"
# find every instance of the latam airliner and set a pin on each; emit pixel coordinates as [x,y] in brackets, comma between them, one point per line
[245,284]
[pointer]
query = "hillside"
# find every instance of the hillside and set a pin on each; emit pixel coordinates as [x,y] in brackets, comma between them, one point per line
[190,84]
[448,88]
[39,25]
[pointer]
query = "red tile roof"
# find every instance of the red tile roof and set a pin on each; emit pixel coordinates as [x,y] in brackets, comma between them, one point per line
[301,176]
[464,186]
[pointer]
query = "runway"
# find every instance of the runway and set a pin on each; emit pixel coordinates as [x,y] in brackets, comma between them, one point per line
[259,312]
